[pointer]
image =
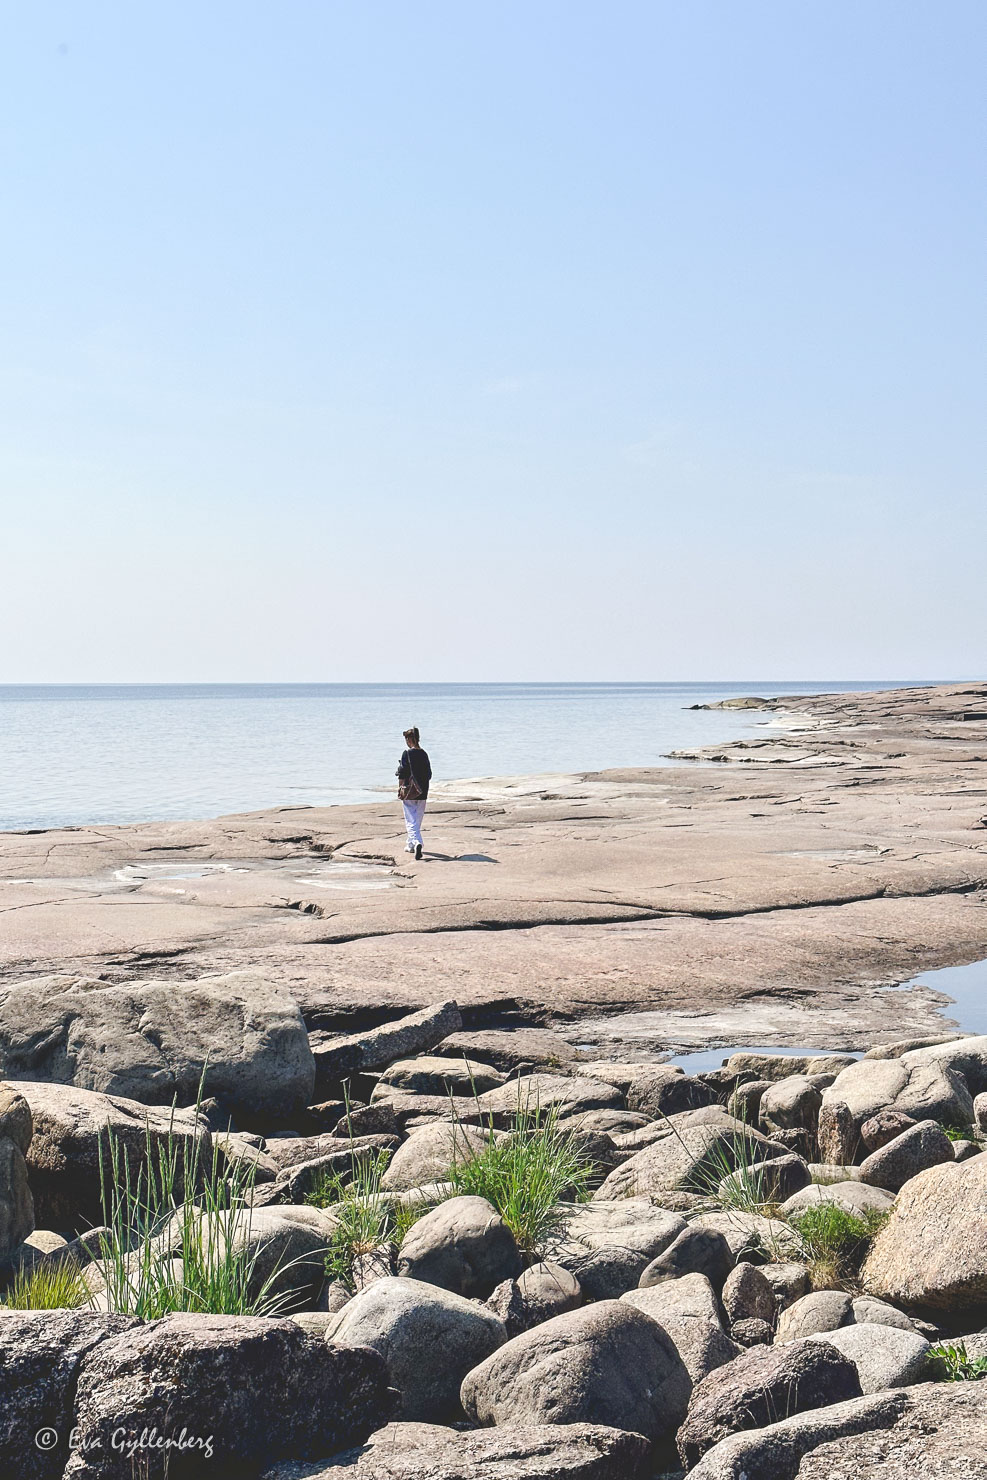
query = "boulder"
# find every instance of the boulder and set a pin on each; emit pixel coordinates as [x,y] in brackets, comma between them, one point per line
[745,1101]
[606,1272]
[693,1158]
[666,1090]
[509,1049]
[691,1297]
[771,1181]
[857,1198]
[442,1076]
[607,1363]
[284,1248]
[40,1355]
[537,1094]
[695,1251]
[254,1390]
[923,1145]
[752,1331]
[868,1310]
[884,1127]
[884,1356]
[925,1089]
[788,1281]
[429,1338]
[463,1245]
[752,1236]
[16,1202]
[823,1310]
[980,1112]
[933,1249]
[629,1223]
[538,1294]
[72,1127]
[747,1295]
[791,1104]
[153,1041]
[765,1381]
[578,1451]
[338,1056]
[774,1067]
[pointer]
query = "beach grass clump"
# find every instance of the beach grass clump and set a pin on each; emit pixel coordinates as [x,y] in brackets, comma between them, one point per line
[48,1285]
[178,1233]
[365,1214]
[528,1174]
[834,1242]
[731,1182]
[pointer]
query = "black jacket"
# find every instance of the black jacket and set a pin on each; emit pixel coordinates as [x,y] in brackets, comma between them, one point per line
[415,763]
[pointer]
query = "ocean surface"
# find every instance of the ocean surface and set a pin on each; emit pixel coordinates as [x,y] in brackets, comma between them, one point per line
[71,755]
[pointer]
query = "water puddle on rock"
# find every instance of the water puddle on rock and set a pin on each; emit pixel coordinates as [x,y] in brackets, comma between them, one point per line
[966,986]
[712,1058]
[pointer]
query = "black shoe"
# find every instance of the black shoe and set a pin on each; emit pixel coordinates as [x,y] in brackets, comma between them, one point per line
[418,850]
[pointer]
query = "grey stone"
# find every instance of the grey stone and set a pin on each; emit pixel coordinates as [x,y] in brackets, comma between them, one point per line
[752,1331]
[531,1452]
[668,1091]
[151,1041]
[922,1146]
[745,1101]
[867,1309]
[857,1198]
[788,1281]
[754,1389]
[604,1272]
[747,1295]
[16,1202]
[441,1076]
[606,1360]
[690,1297]
[15,1118]
[695,1251]
[629,1223]
[923,1088]
[772,1181]
[509,1049]
[823,1310]
[70,1127]
[791,1104]
[752,1236]
[260,1390]
[540,1093]
[693,1158]
[884,1356]
[285,1248]
[40,1355]
[429,1338]
[980,1111]
[539,1293]
[775,1067]
[337,1056]
[933,1249]
[884,1127]
[463,1245]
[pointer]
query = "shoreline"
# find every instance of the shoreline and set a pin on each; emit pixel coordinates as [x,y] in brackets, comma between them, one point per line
[769,894]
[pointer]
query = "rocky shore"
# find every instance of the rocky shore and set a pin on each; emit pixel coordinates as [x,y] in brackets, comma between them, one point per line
[770,894]
[418,1252]
[317,1163]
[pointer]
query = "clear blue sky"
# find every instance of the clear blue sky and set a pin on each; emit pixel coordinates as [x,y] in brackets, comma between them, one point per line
[548,340]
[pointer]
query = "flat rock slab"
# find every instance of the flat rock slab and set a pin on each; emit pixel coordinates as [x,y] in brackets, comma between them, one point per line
[735,899]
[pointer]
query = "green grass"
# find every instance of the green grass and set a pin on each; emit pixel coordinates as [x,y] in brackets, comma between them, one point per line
[950,1363]
[203,1203]
[834,1242]
[960,1132]
[528,1174]
[48,1286]
[365,1213]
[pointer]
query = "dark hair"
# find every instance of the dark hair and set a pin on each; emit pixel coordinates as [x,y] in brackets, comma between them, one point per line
[412,734]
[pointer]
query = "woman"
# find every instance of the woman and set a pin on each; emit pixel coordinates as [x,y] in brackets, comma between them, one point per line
[414,773]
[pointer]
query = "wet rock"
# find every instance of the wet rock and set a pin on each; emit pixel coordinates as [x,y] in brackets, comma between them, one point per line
[429,1338]
[762,1383]
[608,1360]
[884,1356]
[463,1245]
[747,1295]
[823,1310]
[151,1041]
[695,1251]
[923,1145]
[70,1126]
[259,1390]
[933,1249]
[530,1452]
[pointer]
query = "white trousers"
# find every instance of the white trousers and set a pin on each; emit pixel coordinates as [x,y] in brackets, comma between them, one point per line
[413,814]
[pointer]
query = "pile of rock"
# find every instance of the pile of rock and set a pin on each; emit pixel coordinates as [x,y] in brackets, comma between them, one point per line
[674,1321]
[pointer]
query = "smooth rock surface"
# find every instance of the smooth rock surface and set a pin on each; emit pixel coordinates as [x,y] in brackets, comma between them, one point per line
[463,1245]
[884,1356]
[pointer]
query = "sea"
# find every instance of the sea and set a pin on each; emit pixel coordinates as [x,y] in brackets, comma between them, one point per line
[72,755]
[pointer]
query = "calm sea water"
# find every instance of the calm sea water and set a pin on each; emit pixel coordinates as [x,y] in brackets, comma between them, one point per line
[126,753]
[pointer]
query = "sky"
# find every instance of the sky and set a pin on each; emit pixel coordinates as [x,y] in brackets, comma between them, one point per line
[537,340]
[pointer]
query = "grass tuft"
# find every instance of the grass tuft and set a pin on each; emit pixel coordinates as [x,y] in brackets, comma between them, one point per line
[56,1285]
[834,1242]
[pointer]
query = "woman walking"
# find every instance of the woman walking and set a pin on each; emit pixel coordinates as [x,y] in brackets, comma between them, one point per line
[414,773]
